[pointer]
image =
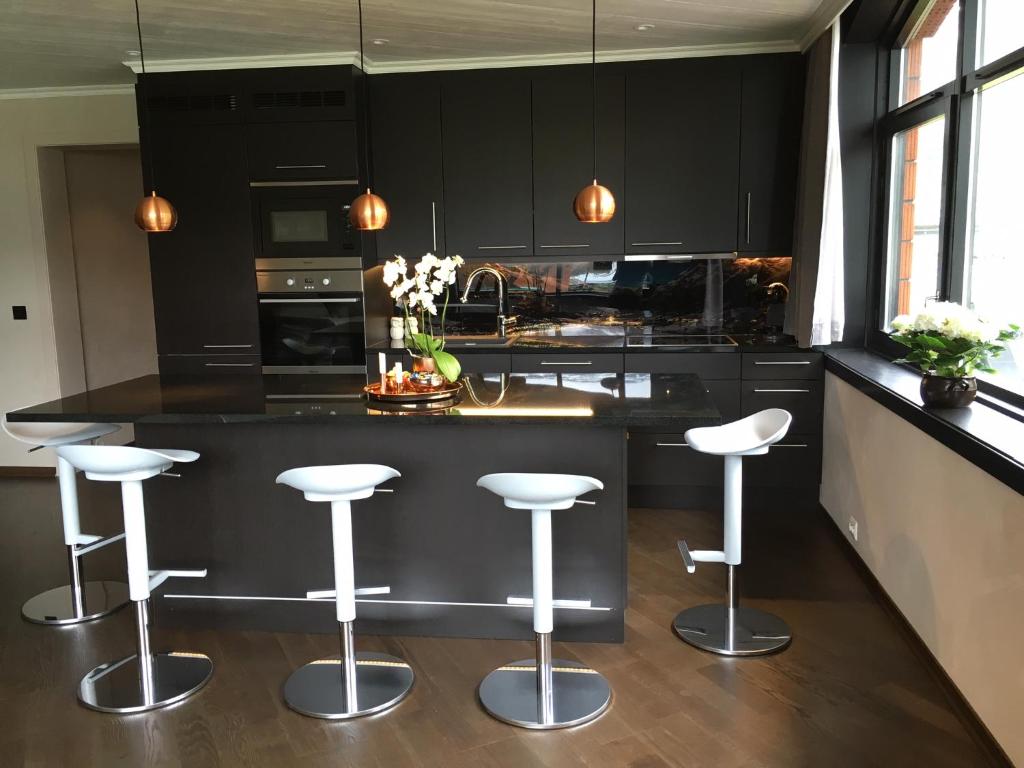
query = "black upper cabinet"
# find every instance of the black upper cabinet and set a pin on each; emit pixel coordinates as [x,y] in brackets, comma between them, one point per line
[303,151]
[191,98]
[290,94]
[682,156]
[563,159]
[204,283]
[769,152]
[407,170]
[488,179]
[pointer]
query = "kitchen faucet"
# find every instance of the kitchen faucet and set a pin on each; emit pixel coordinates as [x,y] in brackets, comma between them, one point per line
[505,317]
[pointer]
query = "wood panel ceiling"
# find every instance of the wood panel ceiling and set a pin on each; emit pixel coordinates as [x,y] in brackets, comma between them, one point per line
[57,43]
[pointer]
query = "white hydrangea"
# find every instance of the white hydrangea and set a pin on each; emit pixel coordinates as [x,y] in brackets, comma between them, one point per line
[950,320]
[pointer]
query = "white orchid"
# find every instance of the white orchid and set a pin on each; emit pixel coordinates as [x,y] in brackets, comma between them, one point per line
[393,270]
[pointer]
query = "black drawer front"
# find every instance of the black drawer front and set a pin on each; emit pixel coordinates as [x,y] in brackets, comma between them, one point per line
[800,397]
[666,459]
[707,365]
[563,363]
[302,151]
[794,461]
[783,365]
[204,365]
[474,363]
[727,397]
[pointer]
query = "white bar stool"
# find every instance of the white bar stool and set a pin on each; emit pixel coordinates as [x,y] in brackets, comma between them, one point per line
[79,600]
[729,629]
[356,684]
[560,694]
[144,680]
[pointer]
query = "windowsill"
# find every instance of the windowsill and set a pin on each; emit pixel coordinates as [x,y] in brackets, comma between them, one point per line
[982,435]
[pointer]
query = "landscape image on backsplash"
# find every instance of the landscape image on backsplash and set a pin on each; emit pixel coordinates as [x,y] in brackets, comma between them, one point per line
[741,295]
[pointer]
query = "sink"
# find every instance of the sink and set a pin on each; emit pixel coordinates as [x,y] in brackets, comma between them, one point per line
[486,341]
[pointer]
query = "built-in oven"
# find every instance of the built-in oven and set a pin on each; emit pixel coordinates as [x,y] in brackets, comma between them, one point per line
[303,219]
[311,315]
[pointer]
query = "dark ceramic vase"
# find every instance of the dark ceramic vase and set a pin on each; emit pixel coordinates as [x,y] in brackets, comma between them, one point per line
[947,392]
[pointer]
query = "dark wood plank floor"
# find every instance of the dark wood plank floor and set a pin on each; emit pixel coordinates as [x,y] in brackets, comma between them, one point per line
[849,692]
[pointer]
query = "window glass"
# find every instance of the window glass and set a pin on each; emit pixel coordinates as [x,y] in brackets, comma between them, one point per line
[994,253]
[928,56]
[1000,29]
[914,211]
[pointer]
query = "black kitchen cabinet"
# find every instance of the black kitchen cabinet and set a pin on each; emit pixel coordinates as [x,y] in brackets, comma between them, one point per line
[321,151]
[563,159]
[204,282]
[407,169]
[682,156]
[488,179]
[295,94]
[772,111]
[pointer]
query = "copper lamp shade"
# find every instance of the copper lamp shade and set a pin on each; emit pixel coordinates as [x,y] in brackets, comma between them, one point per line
[369,212]
[594,204]
[155,214]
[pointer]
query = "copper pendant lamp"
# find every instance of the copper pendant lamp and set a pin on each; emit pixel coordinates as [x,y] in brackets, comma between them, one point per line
[369,211]
[153,213]
[594,204]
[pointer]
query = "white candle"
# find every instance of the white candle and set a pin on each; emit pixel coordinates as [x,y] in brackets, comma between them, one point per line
[382,363]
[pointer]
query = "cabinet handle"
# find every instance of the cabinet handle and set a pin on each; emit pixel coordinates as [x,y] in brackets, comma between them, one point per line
[804,391]
[334,183]
[653,243]
[310,301]
[557,362]
[433,223]
[567,245]
[227,346]
[499,247]
[298,167]
[229,365]
[748,217]
[782,362]
[671,445]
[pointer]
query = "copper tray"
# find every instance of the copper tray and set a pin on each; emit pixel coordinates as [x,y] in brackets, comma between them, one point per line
[445,393]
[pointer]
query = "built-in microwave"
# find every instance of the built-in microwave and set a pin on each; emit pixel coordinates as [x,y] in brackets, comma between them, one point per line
[303,219]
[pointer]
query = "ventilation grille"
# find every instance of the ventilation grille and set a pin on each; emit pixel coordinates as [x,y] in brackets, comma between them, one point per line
[298,99]
[207,102]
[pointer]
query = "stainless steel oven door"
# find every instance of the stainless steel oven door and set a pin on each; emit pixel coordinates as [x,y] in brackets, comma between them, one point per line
[312,333]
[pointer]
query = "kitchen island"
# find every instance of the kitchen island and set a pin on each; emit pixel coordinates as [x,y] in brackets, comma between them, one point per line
[450,553]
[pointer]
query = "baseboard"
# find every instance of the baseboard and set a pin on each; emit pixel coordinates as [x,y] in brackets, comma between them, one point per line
[28,472]
[975,726]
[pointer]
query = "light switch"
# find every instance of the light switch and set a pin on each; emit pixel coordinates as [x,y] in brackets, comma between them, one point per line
[19,313]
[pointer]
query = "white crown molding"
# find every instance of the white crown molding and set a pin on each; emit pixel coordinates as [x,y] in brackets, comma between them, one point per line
[478,62]
[827,12]
[74,90]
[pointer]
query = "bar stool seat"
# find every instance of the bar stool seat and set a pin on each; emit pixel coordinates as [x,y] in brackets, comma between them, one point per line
[729,629]
[145,680]
[543,693]
[79,600]
[356,683]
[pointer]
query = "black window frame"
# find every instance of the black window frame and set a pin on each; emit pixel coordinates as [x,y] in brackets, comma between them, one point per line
[955,101]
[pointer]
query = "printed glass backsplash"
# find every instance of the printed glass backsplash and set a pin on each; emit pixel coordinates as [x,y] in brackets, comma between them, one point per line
[741,295]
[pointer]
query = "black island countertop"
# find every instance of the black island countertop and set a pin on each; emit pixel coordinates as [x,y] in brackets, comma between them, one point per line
[632,400]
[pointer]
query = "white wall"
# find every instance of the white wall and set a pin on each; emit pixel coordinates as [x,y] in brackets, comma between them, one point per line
[28,360]
[946,541]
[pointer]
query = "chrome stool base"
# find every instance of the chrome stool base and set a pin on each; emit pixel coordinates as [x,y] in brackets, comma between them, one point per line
[120,686]
[57,606]
[751,632]
[318,688]
[578,695]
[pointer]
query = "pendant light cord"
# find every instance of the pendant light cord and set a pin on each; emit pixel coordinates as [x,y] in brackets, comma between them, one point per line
[366,95]
[145,101]
[593,63]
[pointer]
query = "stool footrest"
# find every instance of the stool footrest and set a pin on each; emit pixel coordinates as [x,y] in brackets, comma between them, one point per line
[684,550]
[156,578]
[87,543]
[528,601]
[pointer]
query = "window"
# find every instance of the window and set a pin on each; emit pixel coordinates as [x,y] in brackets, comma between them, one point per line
[954,158]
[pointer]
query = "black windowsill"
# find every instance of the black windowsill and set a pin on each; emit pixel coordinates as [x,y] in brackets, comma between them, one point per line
[984,436]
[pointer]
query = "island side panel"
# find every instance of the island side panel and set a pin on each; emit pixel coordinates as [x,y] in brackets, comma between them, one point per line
[437,540]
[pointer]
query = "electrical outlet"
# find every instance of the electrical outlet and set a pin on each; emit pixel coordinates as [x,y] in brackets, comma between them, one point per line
[852,525]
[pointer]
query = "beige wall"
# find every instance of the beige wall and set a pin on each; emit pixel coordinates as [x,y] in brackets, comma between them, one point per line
[946,541]
[28,360]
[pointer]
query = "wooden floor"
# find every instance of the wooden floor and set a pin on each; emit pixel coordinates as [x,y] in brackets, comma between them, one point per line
[850,691]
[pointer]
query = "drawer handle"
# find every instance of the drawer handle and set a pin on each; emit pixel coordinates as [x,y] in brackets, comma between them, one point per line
[298,167]
[655,243]
[803,391]
[227,346]
[499,247]
[229,365]
[790,445]
[585,362]
[310,301]
[566,245]
[672,445]
[782,362]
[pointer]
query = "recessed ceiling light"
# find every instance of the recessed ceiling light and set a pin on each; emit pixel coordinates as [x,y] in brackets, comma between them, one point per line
[131,53]
[643,27]
[380,41]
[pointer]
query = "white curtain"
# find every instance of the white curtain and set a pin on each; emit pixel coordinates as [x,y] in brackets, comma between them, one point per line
[816,312]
